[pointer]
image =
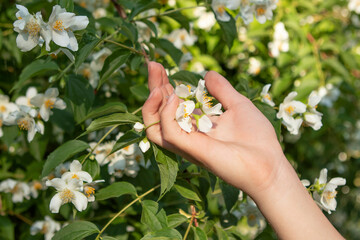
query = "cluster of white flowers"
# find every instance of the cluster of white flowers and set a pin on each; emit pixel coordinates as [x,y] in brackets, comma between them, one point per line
[21,190]
[75,186]
[262,9]
[181,37]
[324,192]
[281,40]
[34,31]
[47,227]
[124,161]
[186,112]
[354,5]
[28,111]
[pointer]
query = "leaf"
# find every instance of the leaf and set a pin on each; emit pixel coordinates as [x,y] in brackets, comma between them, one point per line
[151,25]
[174,220]
[168,167]
[109,238]
[87,44]
[112,107]
[141,6]
[177,16]
[141,92]
[6,229]
[186,76]
[116,189]
[148,215]
[270,114]
[229,31]
[187,190]
[92,167]
[199,234]
[67,4]
[62,153]
[76,230]
[169,48]
[230,194]
[338,67]
[164,234]
[127,139]
[112,63]
[221,234]
[130,31]
[37,147]
[35,68]
[111,120]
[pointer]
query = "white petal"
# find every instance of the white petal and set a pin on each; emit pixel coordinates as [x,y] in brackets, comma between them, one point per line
[305,182]
[38,100]
[299,106]
[185,124]
[338,181]
[60,104]
[51,93]
[323,176]
[31,92]
[75,166]
[25,42]
[138,126]
[55,203]
[73,44]
[80,201]
[290,97]
[79,23]
[44,113]
[204,124]
[182,91]
[144,146]
[57,183]
[61,38]
[215,110]
[314,99]
[84,176]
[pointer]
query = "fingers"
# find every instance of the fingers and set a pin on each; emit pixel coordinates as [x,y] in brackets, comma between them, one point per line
[155,78]
[151,115]
[221,89]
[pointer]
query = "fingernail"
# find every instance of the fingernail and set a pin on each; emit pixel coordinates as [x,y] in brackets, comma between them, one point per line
[170,99]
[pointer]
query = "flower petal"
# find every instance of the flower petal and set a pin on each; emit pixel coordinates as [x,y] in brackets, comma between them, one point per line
[80,201]
[55,203]
[204,124]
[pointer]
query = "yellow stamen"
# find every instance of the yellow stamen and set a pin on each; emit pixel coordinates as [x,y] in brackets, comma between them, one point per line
[33,28]
[182,37]
[19,18]
[59,25]
[329,195]
[49,103]
[86,73]
[2,108]
[260,11]
[1,122]
[127,148]
[23,124]
[67,196]
[138,158]
[189,87]
[37,186]
[221,9]
[89,191]
[83,4]
[75,176]
[251,217]
[290,109]
[267,96]
[44,229]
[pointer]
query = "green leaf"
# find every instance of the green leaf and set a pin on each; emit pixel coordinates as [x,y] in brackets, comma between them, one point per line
[199,234]
[111,120]
[230,194]
[87,44]
[130,31]
[168,167]
[127,139]
[229,31]
[142,5]
[6,229]
[169,48]
[187,190]
[174,220]
[338,67]
[92,167]
[151,25]
[109,238]
[221,234]
[67,4]
[35,68]
[186,76]
[37,147]
[141,92]
[180,18]
[112,107]
[164,234]
[270,114]
[148,215]
[116,189]
[76,230]
[112,63]
[63,153]
[81,96]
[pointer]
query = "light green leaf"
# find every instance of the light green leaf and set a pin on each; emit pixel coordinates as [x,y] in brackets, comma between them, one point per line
[187,190]
[164,234]
[116,189]
[148,215]
[35,68]
[230,194]
[169,48]
[142,5]
[76,230]
[180,18]
[112,107]
[221,234]
[186,76]
[63,153]
[127,139]
[67,4]
[175,220]
[92,167]
[199,234]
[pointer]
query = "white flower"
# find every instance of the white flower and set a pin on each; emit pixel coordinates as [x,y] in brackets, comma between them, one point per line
[67,191]
[139,127]
[19,190]
[89,190]
[48,227]
[354,5]
[89,73]
[206,20]
[7,107]
[204,124]
[265,96]
[76,173]
[25,100]
[206,101]
[313,117]
[102,152]
[219,7]
[24,118]
[99,13]
[288,109]
[263,11]
[35,186]
[144,145]
[181,37]
[184,91]
[32,30]
[183,115]
[254,66]
[246,12]
[281,40]
[98,59]
[305,182]
[62,24]
[327,199]
[48,101]
[117,166]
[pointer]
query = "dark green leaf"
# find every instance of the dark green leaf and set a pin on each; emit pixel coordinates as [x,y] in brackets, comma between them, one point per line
[6,229]
[169,48]
[229,31]
[141,6]
[35,68]
[63,153]
[130,31]
[164,234]
[67,4]
[152,26]
[112,107]
[92,167]
[221,234]
[76,230]
[86,45]
[127,139]
[148,216]
[187,190]
[175,220]
[270,114]
[116,189]
[199,234]
[186,76]
[177,16]
[230,194]
[141,92]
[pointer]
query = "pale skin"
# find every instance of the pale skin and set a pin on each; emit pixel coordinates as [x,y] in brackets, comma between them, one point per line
[242,149]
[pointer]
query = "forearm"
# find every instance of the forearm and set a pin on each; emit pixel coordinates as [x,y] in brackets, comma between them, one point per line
[291,211]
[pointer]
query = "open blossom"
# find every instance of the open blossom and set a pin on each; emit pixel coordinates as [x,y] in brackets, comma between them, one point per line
[184,91]
[206,101]
[288,109]
[19,190]
[32,30]
[35,187]
[89,190]
[206,20]
[263,10]
[48,227]
[312,117]
[254,66]
[62,24]
[327,191]
[265,96]
[354,5]
[67,191]
[7,107]
[219,8]
[180,38]
[25,100]
[281,40]
[183,115]
[48,101]
[76,173]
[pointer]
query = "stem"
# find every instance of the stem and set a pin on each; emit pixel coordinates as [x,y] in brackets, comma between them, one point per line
[97,144]
[169,12]
[124,209]
[6,25]
[137,110]
[188,228]
[21,217]
[124,46]
[151,125]
[63,72]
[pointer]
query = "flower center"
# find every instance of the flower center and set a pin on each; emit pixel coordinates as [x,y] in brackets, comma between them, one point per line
[59,25]
[1,123]
[37,186]
[86,73]
[89,191]
[67,195]
[189,87]
[221,10]
[44,228]
[185,113]
[207,100]
[49,103]
[2,108]
[33,28]
[182,37]
[290,109]
[251,217]
[83,4]
[127,148]
[267,96]
[138,158]
[260,11]
[23,124]
[19,18]
[329,195]
[75,176]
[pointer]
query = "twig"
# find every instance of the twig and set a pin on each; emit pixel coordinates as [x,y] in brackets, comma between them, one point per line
[124,46]
[119,9]
[21,217]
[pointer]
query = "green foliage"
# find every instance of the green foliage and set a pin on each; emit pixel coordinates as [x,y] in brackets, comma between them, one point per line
[115,190]
[76,230]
